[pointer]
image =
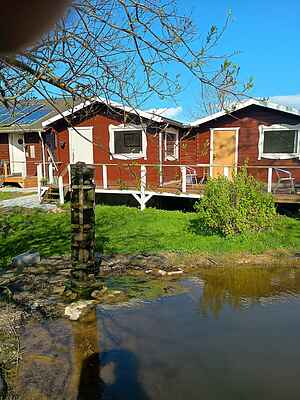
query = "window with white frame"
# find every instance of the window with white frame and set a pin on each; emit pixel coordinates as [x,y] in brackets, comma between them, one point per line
[171,145]
[127,142]
[279,141]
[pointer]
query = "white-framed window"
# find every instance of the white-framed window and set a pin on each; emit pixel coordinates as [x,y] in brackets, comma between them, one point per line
[279,142]
[171,145]
[127,142]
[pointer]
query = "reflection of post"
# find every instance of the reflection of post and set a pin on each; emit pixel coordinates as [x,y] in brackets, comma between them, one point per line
[82,219]
[85,381]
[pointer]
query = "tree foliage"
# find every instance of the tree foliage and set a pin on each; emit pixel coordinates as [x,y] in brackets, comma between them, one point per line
[124,50]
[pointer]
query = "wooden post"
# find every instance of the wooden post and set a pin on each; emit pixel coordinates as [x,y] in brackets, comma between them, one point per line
[226,172]
[50,173]
[143,186]
[104,176]
[39,170]
[270,175]
[61,190]
[183,179]
[82,220]
[5,169]
[69,174]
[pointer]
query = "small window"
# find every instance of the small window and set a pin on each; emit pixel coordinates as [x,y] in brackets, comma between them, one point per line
[128,142]
[171,145]
[280,141]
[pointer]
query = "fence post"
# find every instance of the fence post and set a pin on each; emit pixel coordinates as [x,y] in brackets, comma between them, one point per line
[50,173]
[61,190]
[183,179]
[104,176]
[69,173]
[5,169]
[270,174]
[143,186]
[226,172]
[39,171]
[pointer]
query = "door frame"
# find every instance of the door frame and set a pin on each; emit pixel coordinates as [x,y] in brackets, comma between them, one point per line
[211,151]
[11,153]
[80,128]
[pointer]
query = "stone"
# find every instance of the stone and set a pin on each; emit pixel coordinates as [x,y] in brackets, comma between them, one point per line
[79,309]
[162,272]
[97,294]
[29,258]
[178,272]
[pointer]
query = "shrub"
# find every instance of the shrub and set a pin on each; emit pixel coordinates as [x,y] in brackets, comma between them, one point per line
[235,206]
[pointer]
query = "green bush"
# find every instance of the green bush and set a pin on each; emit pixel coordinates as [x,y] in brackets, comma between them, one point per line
[235,206]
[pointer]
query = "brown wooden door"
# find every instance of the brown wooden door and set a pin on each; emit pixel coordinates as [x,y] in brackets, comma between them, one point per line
[224,148]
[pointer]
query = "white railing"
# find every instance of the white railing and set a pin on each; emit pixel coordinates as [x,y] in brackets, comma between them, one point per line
[143,182]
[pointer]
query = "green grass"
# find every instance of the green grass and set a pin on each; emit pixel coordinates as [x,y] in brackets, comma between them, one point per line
[128,230]
[13,195]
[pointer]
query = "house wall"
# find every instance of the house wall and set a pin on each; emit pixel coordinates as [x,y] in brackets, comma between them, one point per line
[119,174]
[4,149]
[33,152]
[248,120]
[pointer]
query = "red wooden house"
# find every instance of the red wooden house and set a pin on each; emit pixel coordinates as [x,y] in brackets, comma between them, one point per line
[144,154]
[132,149]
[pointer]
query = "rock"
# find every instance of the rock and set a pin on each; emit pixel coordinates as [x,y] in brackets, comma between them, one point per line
[148,271]
[79,309]
[162,272]
[178,272]
[28,258]
[97,294]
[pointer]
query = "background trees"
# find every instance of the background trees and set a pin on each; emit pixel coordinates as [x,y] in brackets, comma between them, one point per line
[125,50]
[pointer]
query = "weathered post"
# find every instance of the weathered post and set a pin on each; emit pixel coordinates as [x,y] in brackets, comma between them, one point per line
[83,227]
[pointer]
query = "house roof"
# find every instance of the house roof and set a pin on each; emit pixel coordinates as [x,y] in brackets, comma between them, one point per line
[130,110]
[29,115]
[243,104]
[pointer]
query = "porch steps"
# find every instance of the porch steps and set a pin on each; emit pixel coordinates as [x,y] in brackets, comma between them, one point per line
[51,195]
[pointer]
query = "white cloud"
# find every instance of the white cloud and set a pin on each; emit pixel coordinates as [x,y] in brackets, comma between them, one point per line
[289,100]
[169,112]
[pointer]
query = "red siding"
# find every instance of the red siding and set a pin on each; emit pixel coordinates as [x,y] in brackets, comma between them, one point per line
[4,149]
[248,120]
[119,175]
[32,140]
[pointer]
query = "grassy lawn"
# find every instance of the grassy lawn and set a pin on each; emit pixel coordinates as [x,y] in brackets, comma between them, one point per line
[128,230]
[13,195]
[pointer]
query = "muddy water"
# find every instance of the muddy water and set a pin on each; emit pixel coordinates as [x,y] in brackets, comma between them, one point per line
[234,334]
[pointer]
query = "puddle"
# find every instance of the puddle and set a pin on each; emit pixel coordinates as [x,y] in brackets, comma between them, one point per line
[232,334]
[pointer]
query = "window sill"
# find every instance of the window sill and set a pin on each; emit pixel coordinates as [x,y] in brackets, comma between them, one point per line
[171,158]
[129,156]
[280,156]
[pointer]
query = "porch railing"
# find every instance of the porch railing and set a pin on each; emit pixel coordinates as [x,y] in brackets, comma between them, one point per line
[145,180]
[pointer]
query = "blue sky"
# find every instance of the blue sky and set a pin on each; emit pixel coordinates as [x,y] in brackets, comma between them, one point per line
[267,34]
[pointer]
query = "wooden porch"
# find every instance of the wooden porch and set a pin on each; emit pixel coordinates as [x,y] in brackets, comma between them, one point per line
[148,180]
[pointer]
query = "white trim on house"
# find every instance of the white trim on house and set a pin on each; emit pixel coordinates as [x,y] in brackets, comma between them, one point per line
[175,155]
[126,156]
[113,104]
[211,152]
[278,156]
[243,104]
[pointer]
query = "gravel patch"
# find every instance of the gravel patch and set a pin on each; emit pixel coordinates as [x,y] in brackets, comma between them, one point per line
[27,202]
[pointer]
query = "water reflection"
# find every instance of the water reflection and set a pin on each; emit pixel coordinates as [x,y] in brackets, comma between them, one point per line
[240,288]
[167,350]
